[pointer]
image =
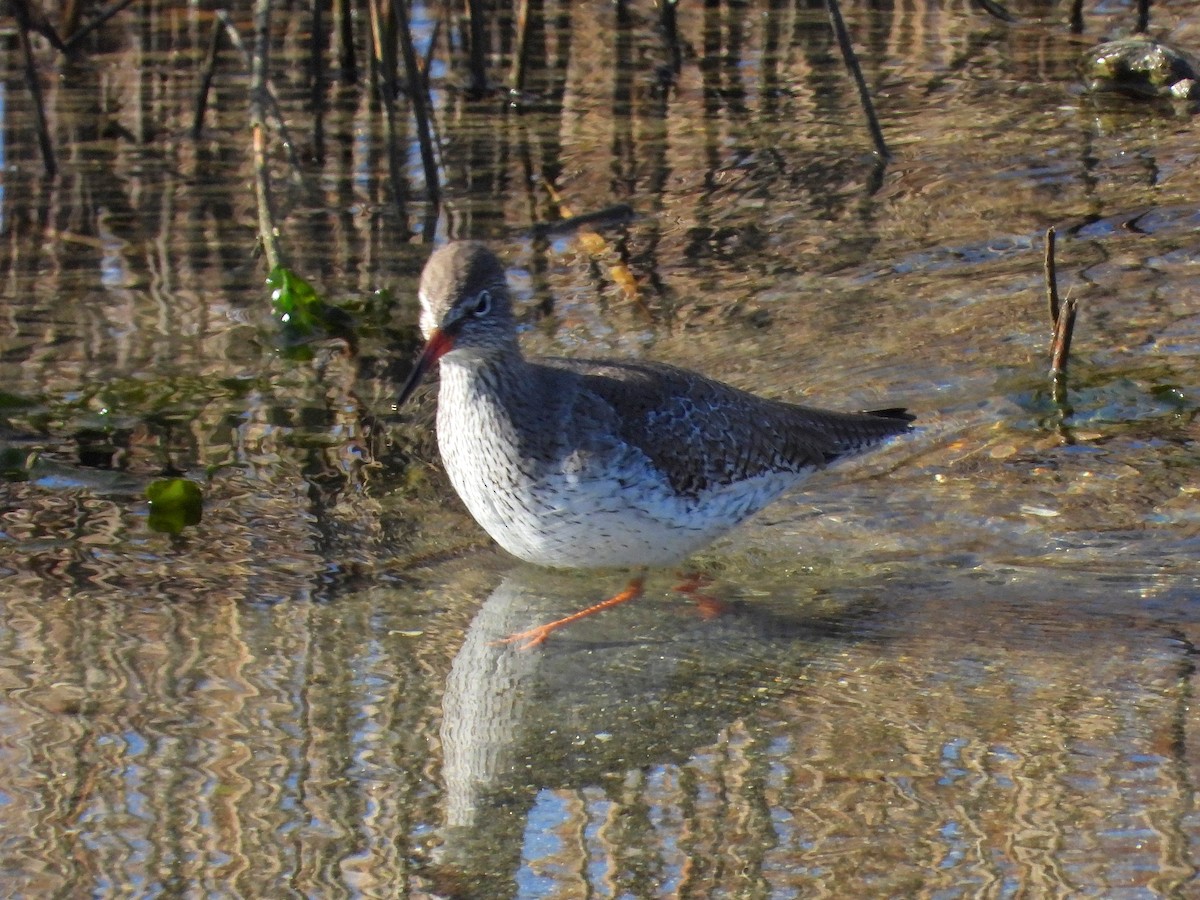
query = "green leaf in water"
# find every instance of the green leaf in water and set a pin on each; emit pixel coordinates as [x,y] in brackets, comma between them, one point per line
[296,304]
[302,314]
[175,503]
[1171,396]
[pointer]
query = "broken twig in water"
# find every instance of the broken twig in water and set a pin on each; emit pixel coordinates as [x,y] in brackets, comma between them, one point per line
[1064,328]
[1060,350]
[864,96]
[1062,316]
[1051,276]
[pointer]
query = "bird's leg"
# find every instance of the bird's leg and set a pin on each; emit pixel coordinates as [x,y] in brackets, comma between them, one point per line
[535,636]
[708,605]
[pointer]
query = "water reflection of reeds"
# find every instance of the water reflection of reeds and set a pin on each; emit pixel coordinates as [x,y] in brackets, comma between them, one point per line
[257,706]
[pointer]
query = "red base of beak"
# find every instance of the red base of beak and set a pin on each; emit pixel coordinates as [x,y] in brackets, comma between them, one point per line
[435,348]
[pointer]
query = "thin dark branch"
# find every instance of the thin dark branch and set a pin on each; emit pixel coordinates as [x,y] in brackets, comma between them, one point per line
[609,217]
[427,61]
[477,56]
[70,14]
[107,13]
[383,56]
[31,17]
[1143,17]
[864,95]
[319,40]
[419,99]
[1077,17]
[347,62]
[206,79]
[33,82]
[383,42]
[995,10]
[668,22]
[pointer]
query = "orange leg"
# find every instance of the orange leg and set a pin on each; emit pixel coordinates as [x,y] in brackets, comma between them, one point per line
[708,605]
[535,636]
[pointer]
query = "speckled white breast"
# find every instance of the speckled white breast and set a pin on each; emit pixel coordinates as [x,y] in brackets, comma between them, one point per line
[577,510]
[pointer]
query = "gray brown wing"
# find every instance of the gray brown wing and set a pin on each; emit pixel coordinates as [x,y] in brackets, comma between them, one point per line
[700,433]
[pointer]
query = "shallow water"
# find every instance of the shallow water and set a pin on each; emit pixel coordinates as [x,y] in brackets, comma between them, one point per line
[962,666]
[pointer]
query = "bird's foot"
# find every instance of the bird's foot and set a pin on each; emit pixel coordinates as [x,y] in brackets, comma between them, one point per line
[707,605]
[531,637]
[534,636]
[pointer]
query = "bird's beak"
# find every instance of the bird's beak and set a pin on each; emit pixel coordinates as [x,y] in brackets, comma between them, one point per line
[435,348]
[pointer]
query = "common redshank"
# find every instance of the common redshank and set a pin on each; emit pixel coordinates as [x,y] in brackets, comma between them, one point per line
[600,463]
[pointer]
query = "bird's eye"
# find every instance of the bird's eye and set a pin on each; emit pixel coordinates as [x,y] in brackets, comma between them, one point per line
[483,304]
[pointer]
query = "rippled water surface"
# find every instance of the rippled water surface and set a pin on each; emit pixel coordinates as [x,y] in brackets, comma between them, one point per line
[963,666]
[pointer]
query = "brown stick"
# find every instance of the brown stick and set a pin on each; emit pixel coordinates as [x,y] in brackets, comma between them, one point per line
[427,62]
[1062,316]
[1051,276]
[1060,349]
[267,231]
[617,214]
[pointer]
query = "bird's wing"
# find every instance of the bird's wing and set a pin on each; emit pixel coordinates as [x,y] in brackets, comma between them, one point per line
[700,433]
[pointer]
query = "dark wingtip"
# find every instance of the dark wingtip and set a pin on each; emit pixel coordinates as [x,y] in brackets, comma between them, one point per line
[895,412]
